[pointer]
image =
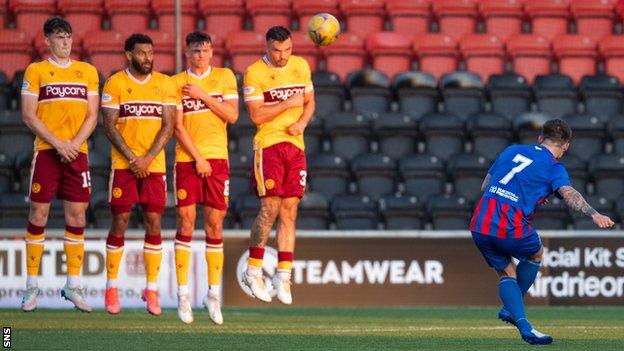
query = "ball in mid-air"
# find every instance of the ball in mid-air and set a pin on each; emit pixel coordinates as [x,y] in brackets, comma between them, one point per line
[323,29]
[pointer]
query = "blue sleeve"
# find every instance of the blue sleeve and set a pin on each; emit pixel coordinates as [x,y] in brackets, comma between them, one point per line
[558,177]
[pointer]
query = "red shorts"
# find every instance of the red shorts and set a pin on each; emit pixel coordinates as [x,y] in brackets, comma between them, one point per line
[212,191]
[279,170]
[127,190]
[50,176]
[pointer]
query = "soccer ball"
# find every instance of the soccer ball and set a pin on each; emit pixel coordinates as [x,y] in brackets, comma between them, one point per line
[323,29]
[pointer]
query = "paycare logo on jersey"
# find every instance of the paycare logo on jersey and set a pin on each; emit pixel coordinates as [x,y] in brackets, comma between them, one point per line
[190,105]
[62,91]
[282,93]
[140,109]
[269,269]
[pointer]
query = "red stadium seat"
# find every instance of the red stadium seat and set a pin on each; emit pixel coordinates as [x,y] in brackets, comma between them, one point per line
[549,18]
[363,16]
[303,46]
[222,16]
[245,48]
[530,55]
[128,16]
[409,17]
[612,50]
[165,11]
[456,17]
[437,53]
[105,50]
[345,55]
[576,54]
[164,50]
[15,51]
[3,12]
[305,9]
[218,51]
[484,54]
[42,52]
[503,18]
[269,13]
[83,15]
[391,52]
[594,18]
[31,14]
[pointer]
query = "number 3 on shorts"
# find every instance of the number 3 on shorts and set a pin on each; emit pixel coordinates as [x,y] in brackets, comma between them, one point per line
[304,176]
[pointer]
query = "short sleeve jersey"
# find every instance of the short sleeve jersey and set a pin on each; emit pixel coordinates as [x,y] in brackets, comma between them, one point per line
[269,84]
[62,93]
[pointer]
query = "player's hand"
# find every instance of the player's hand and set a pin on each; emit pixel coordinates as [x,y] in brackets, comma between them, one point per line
[602,221]
[296,128]
[193,91]
[66,150]
[140,165]
[202,167]
[295,100]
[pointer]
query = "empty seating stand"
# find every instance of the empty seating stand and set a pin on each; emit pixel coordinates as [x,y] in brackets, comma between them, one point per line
[409,17]
[417,93]
[391,52]
[15,51]
[402,212]
[503,18]
[467,172]
[30,15]
[509,94]
[313,212]
[594,18]
[330,176]
[363,16]
[375,174]
[456,18]
[490,133]
[530,55]
[245,48]
[345,55]
[305,9]
[449,212]
[608,175]
[306,48]
[483,53]
[84,16]
[612,50]
[423,175]
[443,134]
[463,93]
[436,53]
[350,133]
[128,16]
[354,212]
[369,90]
[589,135]
[3,12]
[602,95]
[165,12]
[222,16]
[268,13]
[397,134]
[105,51]
[328,92]
[576,55]
[549,18]
[555,94]
[615,129]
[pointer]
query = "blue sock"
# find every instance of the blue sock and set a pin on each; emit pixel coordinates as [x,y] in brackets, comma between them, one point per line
[526,272]
[511,296]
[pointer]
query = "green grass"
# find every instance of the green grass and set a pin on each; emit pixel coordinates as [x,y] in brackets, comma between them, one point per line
[431,328]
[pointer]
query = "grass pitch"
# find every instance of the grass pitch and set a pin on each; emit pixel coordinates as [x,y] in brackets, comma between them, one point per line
[279,328]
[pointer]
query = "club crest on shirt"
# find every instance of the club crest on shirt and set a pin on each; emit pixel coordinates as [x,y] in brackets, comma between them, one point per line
[78,74]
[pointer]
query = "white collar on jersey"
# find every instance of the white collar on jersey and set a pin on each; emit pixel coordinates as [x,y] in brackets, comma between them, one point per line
[202,76]
[140,82]
[52,61]
[267,61]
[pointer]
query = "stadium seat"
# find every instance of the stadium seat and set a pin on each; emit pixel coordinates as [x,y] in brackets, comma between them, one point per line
[84,16]
[555,95]
[467,172]
[306,48]
[6,173]
[484,54]
[549,18]
[5,92]
[15,137]
[423,175]
[15,51]
[247,207]
[363,16]
[105,51]
[328,92]
[314,133]
[612,50]
[581,221]
[490,133]
[3,13]
[456,18]
[589,135]
[100,169]
[530,55]
[391,52]
[128,16]
[503,18]
[345,55]
[528,126]
[509,94]
[602,95]
[577,170]
[218,52]
[350,133]
[417,93]
[397,133]
[330,176]
[165,12]
[615,129]
[245,48]
[437,53]
[354,212]
[409,17]
[552,216]
[463,93]
[443,134]
[268,13]
[244,131]
[577,56]
[375,174]
[16,88]
[402,212]
[449,212]
[240,174]
[164,50]
[42,52]
[369,90]
[593,18]
[23,162]
[305,9]
[222,16]
[30,15]
[313,212]
[14,210]
[608,174]
[619,208]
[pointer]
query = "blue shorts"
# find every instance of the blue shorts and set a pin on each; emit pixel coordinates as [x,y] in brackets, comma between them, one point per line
[498,252]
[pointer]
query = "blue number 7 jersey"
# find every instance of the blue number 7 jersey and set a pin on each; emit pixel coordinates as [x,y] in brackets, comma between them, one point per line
[521,177]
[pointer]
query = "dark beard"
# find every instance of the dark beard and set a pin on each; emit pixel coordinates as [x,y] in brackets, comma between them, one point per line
[139,68]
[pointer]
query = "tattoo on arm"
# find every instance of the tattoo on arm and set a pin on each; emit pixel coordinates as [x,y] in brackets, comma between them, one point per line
[165,132]
[485,182]
[110,117]
[576,201]
[262,225]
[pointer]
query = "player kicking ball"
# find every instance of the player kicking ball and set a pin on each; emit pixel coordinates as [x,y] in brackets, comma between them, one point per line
[522,177]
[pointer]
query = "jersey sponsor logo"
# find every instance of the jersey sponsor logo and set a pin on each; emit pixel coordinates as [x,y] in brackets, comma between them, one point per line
[62,91]
[140,109]
[193,105]
[282,93]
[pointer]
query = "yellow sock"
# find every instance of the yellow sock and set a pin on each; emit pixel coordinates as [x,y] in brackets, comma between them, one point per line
[73,244]
[182,258]
[35,238]
[214,259]
[114,252]
[152,255]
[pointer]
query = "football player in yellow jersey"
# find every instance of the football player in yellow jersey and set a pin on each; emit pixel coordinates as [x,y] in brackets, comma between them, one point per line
[139,109]
[209,102]
[280,99]
[60,105]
